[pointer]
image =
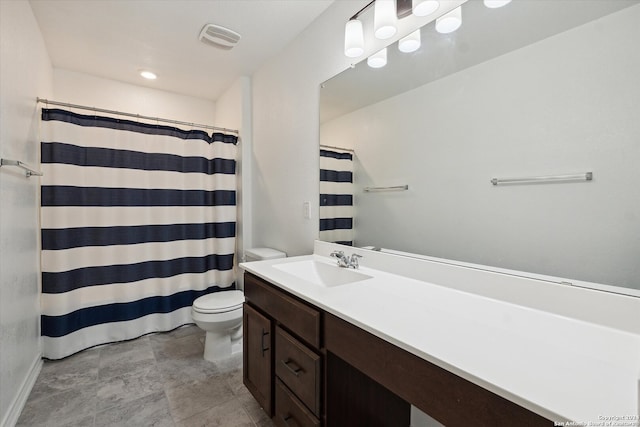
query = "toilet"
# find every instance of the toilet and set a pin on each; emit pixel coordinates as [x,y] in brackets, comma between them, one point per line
[219,314]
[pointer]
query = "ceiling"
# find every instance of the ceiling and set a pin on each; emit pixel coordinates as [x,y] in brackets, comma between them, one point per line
[116,39]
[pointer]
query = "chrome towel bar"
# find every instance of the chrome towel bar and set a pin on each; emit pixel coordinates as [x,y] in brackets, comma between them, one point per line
[394,188]
[587,176]
[28,170]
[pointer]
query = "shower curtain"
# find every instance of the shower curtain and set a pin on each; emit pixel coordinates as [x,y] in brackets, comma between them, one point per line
[137,221]
[336,196]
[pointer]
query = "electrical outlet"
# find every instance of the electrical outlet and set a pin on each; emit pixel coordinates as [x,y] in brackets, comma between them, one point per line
[306,209]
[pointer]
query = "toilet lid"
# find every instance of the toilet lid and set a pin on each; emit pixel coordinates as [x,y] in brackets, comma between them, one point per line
[219,302]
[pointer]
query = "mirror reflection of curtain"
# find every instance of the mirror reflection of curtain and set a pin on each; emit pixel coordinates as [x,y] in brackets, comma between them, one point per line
[138,220]
[336,196]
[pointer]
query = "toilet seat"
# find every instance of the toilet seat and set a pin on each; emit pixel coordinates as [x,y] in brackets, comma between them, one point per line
[219,302]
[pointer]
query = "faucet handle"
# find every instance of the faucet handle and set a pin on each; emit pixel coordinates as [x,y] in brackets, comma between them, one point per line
[342,260]
[337,254]
[353,260]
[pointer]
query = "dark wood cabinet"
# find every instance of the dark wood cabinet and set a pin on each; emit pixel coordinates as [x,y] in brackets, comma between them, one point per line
[299,368]
[354,399]
[294,372]
[307,367]
[258,357]
[302,319]
[448,398]
[289,410]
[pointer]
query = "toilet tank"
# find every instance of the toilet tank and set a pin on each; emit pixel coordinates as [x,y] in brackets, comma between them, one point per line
[260,254]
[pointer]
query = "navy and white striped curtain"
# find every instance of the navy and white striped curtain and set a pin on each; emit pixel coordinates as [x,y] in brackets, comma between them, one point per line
[137,221]
[336,196]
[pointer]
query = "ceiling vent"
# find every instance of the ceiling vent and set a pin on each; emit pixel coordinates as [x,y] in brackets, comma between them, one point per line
[220,37]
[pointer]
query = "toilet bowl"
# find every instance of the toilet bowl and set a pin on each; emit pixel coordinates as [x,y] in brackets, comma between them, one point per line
[219,314]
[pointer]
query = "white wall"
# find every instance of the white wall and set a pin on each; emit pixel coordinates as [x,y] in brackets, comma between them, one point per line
[233,111]
[566,104]
[84,89]
[286,94]
[285,132]
[25,74]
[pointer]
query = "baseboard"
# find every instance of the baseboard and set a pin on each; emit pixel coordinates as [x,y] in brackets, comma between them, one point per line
[15,409]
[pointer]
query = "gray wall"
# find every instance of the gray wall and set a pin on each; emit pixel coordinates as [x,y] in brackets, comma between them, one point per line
[25,73]
[566,104]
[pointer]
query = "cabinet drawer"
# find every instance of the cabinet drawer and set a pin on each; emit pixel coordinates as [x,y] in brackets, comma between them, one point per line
[299,368]
[300,318]
[289,411]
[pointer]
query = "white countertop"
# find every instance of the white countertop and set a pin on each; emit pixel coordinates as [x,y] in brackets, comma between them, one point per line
[558,366]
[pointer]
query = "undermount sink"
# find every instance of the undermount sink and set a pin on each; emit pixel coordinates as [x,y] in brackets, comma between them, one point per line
[320,273]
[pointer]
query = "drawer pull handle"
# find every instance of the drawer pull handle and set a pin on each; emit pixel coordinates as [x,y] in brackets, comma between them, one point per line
[264,333]
[292,367]
[286,419]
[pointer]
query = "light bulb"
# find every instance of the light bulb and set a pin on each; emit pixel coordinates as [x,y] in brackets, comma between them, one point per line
[353,39]
[450,21]
[496,3]
[378,59]
[148,75]
[425,7]
[384,19]
[410,43]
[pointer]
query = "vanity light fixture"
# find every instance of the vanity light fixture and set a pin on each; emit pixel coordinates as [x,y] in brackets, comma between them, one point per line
[384,19]
[450,21]
[492,4]
[378,59]
[410,43]
[148,75]
[425,7]
[353,38]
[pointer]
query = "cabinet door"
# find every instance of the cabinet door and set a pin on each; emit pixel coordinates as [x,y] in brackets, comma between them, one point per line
[257,357]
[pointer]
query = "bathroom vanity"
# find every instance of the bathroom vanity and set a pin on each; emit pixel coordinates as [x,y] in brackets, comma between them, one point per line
[336,347]
[282,353]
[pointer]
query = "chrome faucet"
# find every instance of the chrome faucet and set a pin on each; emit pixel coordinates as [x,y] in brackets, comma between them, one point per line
[344,261]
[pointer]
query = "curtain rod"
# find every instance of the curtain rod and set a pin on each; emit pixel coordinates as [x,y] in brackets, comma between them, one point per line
[338,148]
[137,116]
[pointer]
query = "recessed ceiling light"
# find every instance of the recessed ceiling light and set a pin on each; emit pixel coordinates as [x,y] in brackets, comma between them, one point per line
[148,75]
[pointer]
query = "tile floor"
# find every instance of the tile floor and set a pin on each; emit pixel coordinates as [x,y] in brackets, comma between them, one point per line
[155,380]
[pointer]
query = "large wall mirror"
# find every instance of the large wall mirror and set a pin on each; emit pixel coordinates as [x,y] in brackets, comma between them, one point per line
[533,89]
